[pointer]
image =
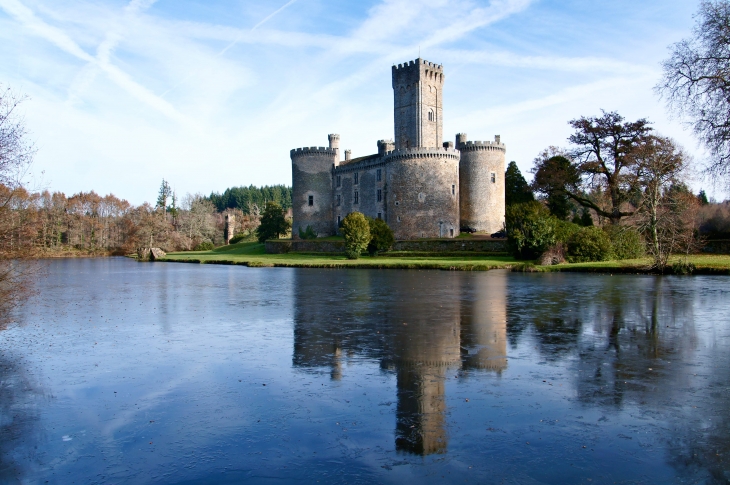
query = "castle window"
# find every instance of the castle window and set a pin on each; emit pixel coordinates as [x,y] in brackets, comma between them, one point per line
[380,195]
[453,190]
[311,200]
[380,215]
[398,218]
[339,180]
[397,203]
[357,197]
[339,221]
[431,116]
[379,174]
[451,232]
[356,178]
[493,177]
[339,199]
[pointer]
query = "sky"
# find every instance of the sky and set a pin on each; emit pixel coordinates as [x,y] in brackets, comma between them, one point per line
[210,95]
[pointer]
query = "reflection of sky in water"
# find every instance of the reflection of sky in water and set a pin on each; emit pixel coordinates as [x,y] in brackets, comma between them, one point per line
[162,373]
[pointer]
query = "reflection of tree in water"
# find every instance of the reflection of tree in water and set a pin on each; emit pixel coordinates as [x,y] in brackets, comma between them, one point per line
[18,420]
[636,343]
[419,324]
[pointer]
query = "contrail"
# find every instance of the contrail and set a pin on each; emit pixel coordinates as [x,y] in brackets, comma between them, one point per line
[235,41]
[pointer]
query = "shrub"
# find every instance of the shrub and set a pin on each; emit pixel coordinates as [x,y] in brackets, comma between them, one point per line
[530,229]
[626,242]
[564,230]
[589,244]
[308,233]
[204,246]
[381,236]
[356,230]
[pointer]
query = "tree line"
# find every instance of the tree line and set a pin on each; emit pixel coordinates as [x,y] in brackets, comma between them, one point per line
[252,200]
[37,224]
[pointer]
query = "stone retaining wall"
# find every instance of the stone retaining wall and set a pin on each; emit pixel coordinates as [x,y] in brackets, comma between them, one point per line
[304,246]
[452,245]
[417,245]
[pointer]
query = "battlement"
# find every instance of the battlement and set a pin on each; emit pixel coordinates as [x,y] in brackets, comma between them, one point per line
[297,152]
[412,72]
[419,62]
[470,146]
[423,152]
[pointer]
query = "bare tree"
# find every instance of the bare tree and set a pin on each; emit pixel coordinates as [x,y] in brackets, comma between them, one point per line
[196,219]
[669,210]
[17,218]
[696,82]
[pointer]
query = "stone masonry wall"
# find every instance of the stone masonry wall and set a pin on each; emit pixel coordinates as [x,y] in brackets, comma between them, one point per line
[312,177]
[423,193]
[418,245]
[367,187]
[481,180]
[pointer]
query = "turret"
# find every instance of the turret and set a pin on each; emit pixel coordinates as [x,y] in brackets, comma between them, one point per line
[385,146]
[417,91]
[312,190]
[481,184]
[334,140]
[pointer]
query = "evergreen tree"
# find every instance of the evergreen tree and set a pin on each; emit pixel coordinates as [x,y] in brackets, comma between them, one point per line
[516,190]
[273,223]
[164,194]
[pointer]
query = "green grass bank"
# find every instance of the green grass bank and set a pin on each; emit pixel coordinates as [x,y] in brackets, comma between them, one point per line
[254,255]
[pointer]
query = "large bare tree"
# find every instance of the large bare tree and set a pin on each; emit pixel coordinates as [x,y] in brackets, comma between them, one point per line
[16,220]
[696,82]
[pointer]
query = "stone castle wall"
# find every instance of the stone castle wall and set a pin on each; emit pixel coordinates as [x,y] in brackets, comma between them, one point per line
[423,192]
[312,177]
[356,187]
[481,179]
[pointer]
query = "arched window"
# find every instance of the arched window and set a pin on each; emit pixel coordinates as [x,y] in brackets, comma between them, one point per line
[431,116]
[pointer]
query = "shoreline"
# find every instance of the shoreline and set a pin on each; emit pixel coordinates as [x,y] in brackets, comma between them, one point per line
[253,255]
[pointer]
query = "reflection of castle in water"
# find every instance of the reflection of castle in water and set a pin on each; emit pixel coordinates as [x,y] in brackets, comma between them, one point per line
[424,332]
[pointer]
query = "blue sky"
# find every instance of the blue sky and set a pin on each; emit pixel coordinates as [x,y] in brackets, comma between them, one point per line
[210,95]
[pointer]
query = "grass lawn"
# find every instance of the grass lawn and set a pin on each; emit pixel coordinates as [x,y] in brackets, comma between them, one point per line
[254,255]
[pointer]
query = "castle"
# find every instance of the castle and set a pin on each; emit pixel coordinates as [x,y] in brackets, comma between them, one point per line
[421,186]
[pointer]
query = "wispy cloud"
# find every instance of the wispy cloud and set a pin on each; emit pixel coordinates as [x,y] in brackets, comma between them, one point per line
[233,43]
[56,36]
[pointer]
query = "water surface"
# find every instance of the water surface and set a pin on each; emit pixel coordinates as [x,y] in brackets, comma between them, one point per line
[123,372]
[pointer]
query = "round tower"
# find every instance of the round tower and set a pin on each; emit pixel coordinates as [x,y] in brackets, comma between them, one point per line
[312,191]
[481,184]
[423,192]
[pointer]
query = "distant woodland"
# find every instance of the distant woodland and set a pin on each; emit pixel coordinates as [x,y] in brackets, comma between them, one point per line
[53,224]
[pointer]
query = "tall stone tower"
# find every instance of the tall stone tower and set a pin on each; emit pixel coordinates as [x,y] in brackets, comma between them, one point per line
[417,88]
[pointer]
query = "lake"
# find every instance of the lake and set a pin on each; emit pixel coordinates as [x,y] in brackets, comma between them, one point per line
[126,372]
